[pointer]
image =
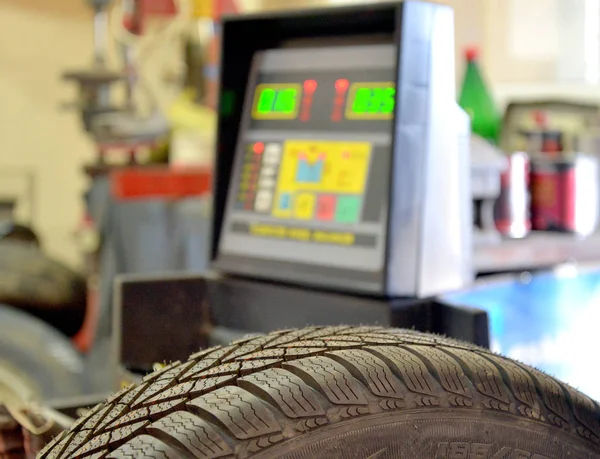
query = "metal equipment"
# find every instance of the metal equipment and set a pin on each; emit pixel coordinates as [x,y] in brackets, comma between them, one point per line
[109,124]
[96,82]
[342,188]
[343,163]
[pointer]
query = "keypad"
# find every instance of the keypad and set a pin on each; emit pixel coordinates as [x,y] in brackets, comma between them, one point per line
[259,190]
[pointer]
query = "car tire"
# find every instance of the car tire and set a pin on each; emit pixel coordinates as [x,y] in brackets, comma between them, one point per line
[340,392]
[36,360]
[31,281]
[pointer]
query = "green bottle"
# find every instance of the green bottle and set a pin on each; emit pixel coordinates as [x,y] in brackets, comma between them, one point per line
[477,101]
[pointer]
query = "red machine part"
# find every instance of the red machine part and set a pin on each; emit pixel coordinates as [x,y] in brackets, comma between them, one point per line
[160,182]
[553,195]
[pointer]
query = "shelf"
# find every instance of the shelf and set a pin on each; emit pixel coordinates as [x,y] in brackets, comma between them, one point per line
[537,251]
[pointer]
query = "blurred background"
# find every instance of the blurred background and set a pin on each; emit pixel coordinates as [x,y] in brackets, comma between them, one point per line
[535,49]
[107,150]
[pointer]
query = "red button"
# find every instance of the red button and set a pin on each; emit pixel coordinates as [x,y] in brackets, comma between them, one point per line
[326,207]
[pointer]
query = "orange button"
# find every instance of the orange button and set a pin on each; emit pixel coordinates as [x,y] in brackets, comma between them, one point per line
[326,207]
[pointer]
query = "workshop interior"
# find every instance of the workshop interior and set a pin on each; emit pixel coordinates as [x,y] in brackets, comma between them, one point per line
[300,229]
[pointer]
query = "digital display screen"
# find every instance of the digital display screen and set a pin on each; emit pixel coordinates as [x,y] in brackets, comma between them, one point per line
[276,101]
[294,101]
[371,101]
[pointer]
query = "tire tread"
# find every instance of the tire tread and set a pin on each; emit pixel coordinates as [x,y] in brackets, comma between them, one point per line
[239,400]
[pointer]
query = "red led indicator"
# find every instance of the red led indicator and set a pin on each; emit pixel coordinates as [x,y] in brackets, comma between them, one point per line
[310,86]
[258,148]
[341,85]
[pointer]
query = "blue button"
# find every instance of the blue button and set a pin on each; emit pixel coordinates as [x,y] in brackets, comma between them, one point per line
[285,201]
[309,172]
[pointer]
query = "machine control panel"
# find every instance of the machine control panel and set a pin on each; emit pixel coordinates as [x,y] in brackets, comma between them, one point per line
[298,182]
[347,171]
[304,180]
[310,178]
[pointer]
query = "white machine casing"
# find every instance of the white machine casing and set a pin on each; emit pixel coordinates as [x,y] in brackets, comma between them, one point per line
[430,247]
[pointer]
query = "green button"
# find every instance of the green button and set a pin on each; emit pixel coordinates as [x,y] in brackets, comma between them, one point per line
[347,209]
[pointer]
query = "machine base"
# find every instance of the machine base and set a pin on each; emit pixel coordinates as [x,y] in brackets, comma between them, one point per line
[180,314]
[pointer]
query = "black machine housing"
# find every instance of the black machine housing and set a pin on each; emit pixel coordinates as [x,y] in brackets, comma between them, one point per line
[427,222]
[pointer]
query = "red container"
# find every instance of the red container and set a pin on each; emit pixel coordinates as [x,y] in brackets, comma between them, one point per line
[564,194]
[511,211]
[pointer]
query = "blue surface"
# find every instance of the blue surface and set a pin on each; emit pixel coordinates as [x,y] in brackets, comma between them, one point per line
[550,321]
[309,173]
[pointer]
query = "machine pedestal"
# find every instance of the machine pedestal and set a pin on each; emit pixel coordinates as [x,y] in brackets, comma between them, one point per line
[178,315]
[262,307]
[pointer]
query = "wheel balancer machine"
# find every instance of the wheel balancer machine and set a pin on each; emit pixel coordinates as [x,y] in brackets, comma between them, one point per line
[342,185]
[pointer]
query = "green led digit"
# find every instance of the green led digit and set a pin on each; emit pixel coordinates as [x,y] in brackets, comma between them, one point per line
[388,101]
[376,101]
[362,100]
[371,101]
[285,101]
[276,101]
[266,101]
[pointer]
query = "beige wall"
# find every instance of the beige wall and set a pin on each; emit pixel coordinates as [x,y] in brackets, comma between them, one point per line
[36,44]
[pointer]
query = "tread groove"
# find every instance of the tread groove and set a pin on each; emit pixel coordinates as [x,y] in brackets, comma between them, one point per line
[398,360]
[192,434]
[552,412]
[276,385]
[491,388]
[520,390]
[168,440]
